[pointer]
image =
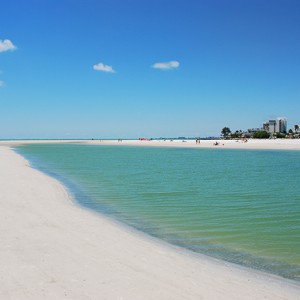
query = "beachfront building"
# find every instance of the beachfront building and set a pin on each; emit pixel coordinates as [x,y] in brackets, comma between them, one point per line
[273,126]
[270,126]
[281,125]
[265,126]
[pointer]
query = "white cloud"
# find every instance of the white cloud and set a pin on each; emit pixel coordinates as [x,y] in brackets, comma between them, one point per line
[104,68]
[2,83]
[7,45]
[166,65]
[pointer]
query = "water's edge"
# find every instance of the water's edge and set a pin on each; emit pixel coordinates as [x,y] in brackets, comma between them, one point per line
[78,195]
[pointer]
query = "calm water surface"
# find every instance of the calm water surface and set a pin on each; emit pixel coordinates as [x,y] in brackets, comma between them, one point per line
[242,206]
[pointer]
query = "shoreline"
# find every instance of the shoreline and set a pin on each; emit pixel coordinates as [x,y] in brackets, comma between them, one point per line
[77,194]
[254,144]
[138,267]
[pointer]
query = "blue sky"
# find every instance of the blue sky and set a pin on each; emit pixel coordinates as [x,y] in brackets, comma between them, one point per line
[112,68]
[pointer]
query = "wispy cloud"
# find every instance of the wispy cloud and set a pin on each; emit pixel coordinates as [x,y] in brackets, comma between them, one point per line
[104,68]
[170,65]
[2,83]
[7,45]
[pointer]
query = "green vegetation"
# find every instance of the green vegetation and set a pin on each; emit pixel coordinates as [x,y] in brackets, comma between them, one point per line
[261,135]
[280,135]
[226,132]
[237,134]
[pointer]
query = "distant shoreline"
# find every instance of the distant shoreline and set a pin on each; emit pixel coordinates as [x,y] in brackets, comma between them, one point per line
[276,144]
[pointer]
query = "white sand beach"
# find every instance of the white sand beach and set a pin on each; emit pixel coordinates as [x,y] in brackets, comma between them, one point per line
[275,144]
[51,248]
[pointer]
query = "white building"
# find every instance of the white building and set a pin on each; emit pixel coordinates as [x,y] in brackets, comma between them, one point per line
[281,125]
[273,126]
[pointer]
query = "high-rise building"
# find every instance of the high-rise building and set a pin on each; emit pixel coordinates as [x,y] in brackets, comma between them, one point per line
[266,126]
[281,125]
[273,126]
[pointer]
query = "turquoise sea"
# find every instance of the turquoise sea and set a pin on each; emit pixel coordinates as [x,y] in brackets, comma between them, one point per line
[241,206]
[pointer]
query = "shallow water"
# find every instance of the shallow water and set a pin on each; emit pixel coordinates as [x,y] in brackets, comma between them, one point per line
[242,206]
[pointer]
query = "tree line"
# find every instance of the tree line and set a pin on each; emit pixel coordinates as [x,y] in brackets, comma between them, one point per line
[261,134]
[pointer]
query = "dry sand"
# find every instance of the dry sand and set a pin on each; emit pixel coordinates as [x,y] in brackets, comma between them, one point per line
[276,144]
[53,249]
